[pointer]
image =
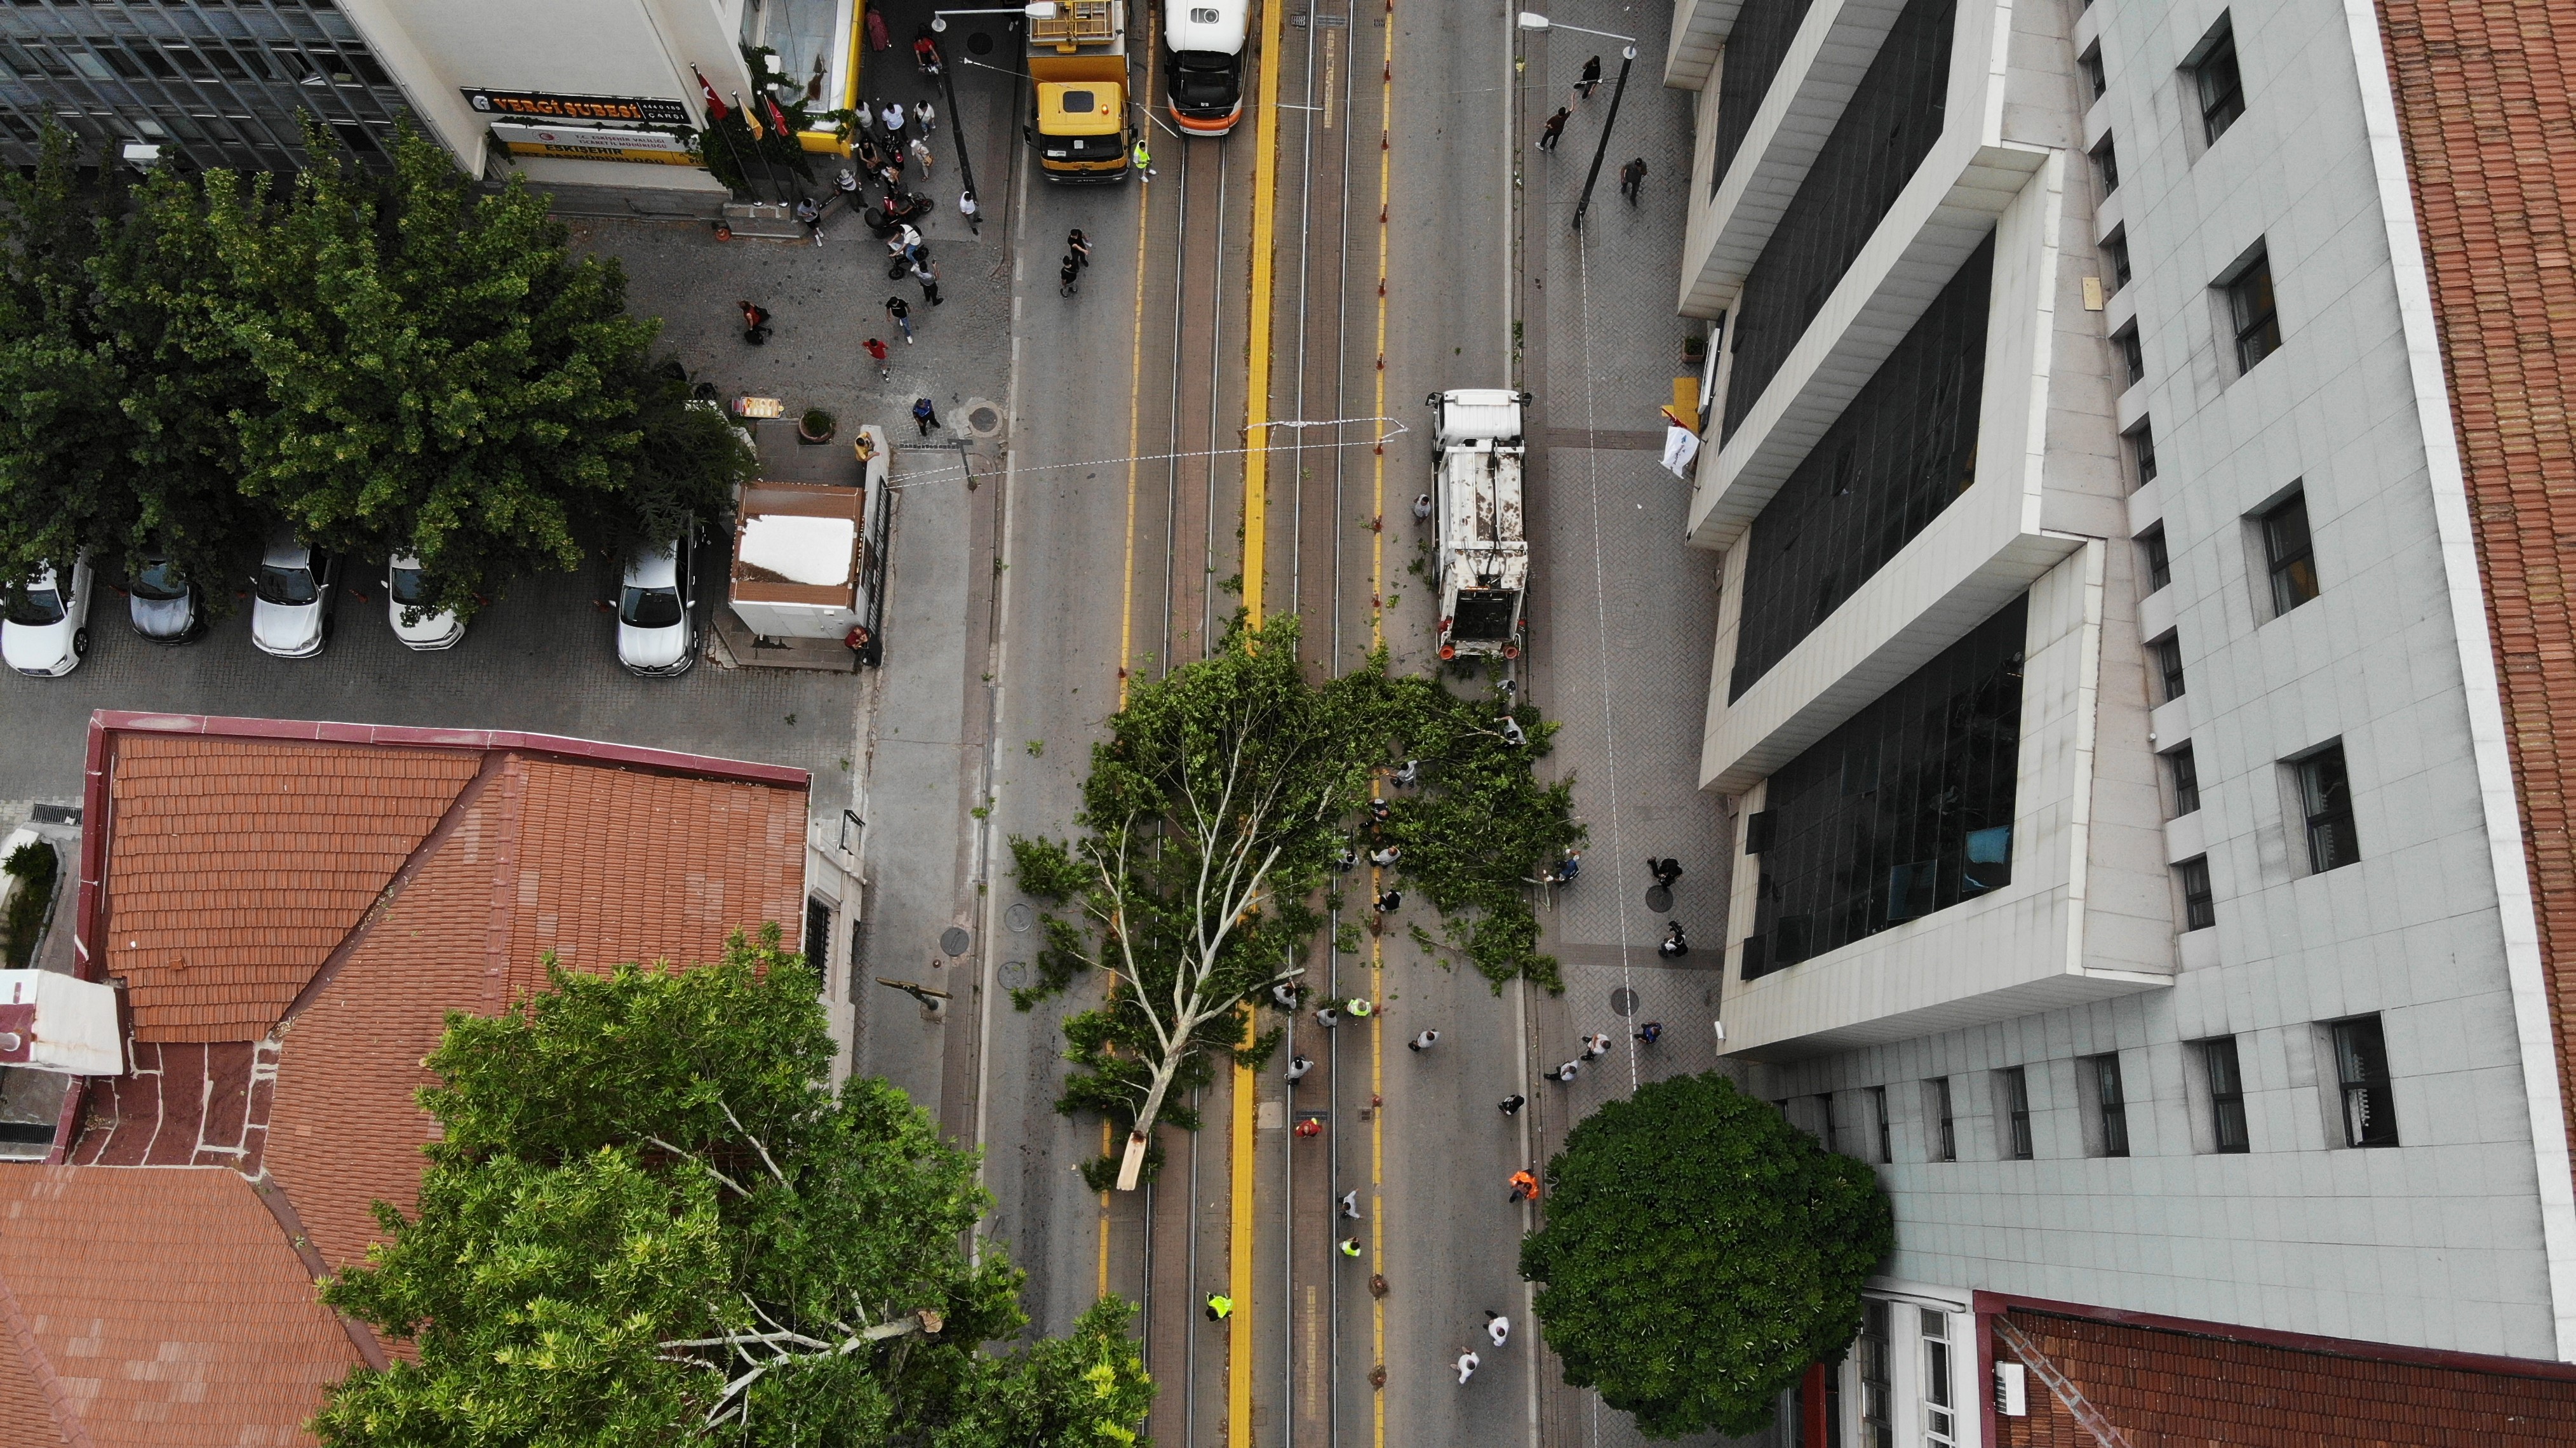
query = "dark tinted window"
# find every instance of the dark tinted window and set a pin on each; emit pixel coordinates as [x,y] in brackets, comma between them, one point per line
[2185,774]
[2249,304]
[1755,46]
[36,607]
[2112,1102]
[2167,653]
[407,585]
[2199,906]
[2221,86]
[2016,1087]
[649,607]
[2151,545]
[157,582]
[2361,1070]
[2325,793]
[2142,453]
[2226,1095]
[287,585]
[2290,554]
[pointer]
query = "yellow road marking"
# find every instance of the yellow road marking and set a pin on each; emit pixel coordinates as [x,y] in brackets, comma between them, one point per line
[1377,637]
[1256,461]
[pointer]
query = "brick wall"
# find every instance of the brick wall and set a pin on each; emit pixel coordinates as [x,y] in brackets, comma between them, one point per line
[2490,137]
[2165,1389]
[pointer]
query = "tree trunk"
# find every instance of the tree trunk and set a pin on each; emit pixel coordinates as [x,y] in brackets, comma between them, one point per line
[1146,1114]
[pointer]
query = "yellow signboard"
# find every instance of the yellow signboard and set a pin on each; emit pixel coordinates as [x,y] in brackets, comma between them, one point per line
[585,143]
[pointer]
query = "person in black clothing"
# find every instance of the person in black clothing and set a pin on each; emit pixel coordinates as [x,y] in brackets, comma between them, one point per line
[899,312]
[1591,78]
[1632,180]
[1554,127]
[924,415]
[1665,871]
[1068,277]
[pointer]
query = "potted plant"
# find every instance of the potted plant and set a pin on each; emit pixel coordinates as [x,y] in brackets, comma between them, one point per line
[1694,351]
[815,426]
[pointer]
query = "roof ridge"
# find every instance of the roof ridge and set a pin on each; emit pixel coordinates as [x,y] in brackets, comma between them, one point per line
[272,1195]
[67,1419]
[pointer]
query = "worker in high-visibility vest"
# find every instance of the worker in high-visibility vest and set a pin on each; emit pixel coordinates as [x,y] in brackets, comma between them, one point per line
[1219,1307]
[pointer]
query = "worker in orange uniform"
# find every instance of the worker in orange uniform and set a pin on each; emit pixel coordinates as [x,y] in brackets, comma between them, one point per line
[1524,1186]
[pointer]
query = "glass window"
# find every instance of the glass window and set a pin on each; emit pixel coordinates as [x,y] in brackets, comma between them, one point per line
[2199,905]
[2142,452]
[2249,304]
[2095,83]
[818,933]
[2167,652]
[2016,1089]
[2132,355]
[2111,1103]
[1940,1421]
[2290,554]
[649,607]
[2184,772]
[2106,165]
[2226,1094]
[2361,1069]
[36,607]
[2116,247]
[289,586]
[1877,1377]
[2222,87]
[2325,794]
[1945,1136]
[88,65]
[1832,1128]
[1878,1120]
[2159,566]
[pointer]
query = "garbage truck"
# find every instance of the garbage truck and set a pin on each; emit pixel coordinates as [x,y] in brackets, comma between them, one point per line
[1478,455]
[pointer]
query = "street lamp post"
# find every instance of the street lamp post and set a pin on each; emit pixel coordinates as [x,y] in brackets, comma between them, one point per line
[1532,20]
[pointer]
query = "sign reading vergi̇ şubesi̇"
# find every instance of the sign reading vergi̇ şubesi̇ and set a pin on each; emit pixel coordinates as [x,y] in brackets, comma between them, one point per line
[548,106]
[582,143]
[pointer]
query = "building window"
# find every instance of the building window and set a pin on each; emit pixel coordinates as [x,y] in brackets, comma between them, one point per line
[2325,797]
[1825,1115]
[2199,905]
[1877,1379]
[2110,1104]
[1878,1122]
[2221,86]
[2290,554]
[2250,310]
[2184,773]
[1945,1134]
[1902,811]
[1755,46]
[818,934]
[2016,1093]
[1940,1425]
[2133,357]
[2095,82]
[2142,452]
[2151,544]
[2226,1094]
[2106,165]
[2167,652]
[2361,1069]
[2116,247]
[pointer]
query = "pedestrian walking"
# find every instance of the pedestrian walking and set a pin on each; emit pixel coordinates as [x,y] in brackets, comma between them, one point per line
[755,324]
[1298,1066]
[1553,128]
[1328,1016]
[1378,811]
[1344,862]
[1498,1328]
[1143,158]
[877,351]
[1387,856]
[1632,180]
[1068,277]
[1079,245]
[920,150]
[967,208]
[899,312]
[877,37]
[1651,1032]
[1569,867]
[1674,945]
[1421,506]
[1408,775]
[892,117]
[890,176]
[924,416]
[1511,1105]
[1590,78]
[1285,993]
[1388,902]
[1423,1041]
[1358,1008]
[1219,1307]
[1564,1075]
[1351,1204]
[1595,1046]
[1467,1364]
[1350,1246]
[928,275]
[1309,1128]
[926,118]
[1665,871]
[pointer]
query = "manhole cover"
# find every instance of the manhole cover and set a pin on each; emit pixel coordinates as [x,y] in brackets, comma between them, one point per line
[979,44]
[984,419]
[1624,1001]
[1015,973]
[1018,917]
[954,940]
[1658,898]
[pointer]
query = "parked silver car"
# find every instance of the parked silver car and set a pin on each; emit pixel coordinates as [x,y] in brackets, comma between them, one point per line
[163,604]
[292,598]
[657,625]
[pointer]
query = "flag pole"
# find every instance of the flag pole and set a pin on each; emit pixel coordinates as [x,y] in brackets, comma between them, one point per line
[715,123]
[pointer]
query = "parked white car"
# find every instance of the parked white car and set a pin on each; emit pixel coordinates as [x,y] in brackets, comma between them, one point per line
[46,629]
[657,624]
[405,601]
[162,603]
[290,611]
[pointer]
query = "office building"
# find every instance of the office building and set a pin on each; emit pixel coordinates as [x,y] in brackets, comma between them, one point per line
[2133,450]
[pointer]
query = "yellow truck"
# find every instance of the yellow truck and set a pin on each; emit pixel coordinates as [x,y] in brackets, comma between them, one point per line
[1078,66]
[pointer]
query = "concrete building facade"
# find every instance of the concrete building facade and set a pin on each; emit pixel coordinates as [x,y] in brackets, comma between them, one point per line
[2136,841]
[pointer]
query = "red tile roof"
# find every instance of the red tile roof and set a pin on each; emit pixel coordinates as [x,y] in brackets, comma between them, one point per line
[156,1308]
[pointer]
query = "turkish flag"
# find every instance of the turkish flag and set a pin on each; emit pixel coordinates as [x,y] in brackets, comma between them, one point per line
[777,117]
[715,108]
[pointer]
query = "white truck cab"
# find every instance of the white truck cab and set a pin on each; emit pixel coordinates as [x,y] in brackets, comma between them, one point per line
[1477,464]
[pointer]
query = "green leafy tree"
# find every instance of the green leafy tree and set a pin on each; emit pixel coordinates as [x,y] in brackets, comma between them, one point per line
[650,1221]
[63,481]
[442,377]
[1699,1254]
[691,459]
[1208,821]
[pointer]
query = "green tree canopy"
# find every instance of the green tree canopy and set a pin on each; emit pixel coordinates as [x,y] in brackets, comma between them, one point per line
[1700,1252]
[441,375]
[650,1221]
